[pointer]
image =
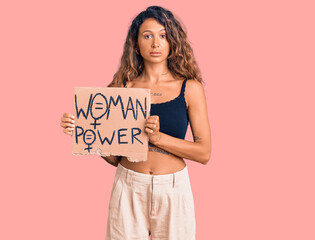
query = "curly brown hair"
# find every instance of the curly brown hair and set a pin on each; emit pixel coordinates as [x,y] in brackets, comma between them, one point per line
[181,61]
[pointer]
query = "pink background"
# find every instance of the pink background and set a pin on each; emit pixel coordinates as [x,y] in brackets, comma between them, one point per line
[257,58]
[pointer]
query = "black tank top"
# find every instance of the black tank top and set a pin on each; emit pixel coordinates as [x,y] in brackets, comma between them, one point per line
[173,114]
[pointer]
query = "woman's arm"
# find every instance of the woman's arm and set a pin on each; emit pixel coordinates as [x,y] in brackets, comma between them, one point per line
[200,149]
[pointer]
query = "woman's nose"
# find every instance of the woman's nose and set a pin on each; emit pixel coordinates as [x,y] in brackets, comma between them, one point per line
[155,42]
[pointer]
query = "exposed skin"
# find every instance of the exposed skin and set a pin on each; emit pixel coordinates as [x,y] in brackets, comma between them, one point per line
[165,153]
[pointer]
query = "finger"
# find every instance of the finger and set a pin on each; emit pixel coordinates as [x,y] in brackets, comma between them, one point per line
[151,120]
[65,125]
[67,115]
[66,131]
[148,130]
[70,130]
[67,119]
[150,125]
[155,117]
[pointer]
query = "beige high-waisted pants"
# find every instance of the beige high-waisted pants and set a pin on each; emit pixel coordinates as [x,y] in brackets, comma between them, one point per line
[158,205]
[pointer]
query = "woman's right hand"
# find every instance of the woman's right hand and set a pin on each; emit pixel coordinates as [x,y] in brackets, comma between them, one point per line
[67,122]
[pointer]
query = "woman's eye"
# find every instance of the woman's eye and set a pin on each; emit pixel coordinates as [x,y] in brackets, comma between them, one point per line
[146,36]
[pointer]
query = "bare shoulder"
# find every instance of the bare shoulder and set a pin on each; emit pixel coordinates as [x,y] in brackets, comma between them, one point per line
[194,90]
[194,85]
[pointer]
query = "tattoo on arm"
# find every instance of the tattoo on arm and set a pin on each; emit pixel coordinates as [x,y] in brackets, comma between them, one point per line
[196,138]
[153,148]
[161,151]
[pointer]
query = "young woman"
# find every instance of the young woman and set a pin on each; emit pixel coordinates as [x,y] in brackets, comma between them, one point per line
[154,197]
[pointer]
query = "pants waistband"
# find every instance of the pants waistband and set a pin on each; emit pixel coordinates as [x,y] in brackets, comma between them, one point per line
[131,176]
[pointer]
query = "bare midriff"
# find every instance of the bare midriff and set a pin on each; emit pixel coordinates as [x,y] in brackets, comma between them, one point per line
[158,162]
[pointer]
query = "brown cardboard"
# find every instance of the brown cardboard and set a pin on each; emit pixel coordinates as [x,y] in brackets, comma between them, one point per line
[110,121]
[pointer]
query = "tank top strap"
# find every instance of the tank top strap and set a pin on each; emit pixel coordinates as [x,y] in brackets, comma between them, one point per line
[124,82]
[183,87]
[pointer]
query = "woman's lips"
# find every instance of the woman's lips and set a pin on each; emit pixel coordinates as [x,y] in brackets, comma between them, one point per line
[155,53]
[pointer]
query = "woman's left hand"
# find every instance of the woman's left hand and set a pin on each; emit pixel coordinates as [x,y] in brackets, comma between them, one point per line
[152,127]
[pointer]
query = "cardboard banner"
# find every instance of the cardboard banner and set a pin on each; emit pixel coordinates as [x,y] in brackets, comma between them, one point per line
[110,121]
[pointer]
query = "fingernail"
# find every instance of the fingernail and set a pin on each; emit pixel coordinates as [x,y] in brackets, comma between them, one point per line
[72,121]
[72,117]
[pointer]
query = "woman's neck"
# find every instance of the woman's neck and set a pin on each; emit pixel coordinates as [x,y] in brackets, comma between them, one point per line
[154,73]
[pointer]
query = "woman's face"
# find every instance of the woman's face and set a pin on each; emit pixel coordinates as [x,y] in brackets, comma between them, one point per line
[152,38]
